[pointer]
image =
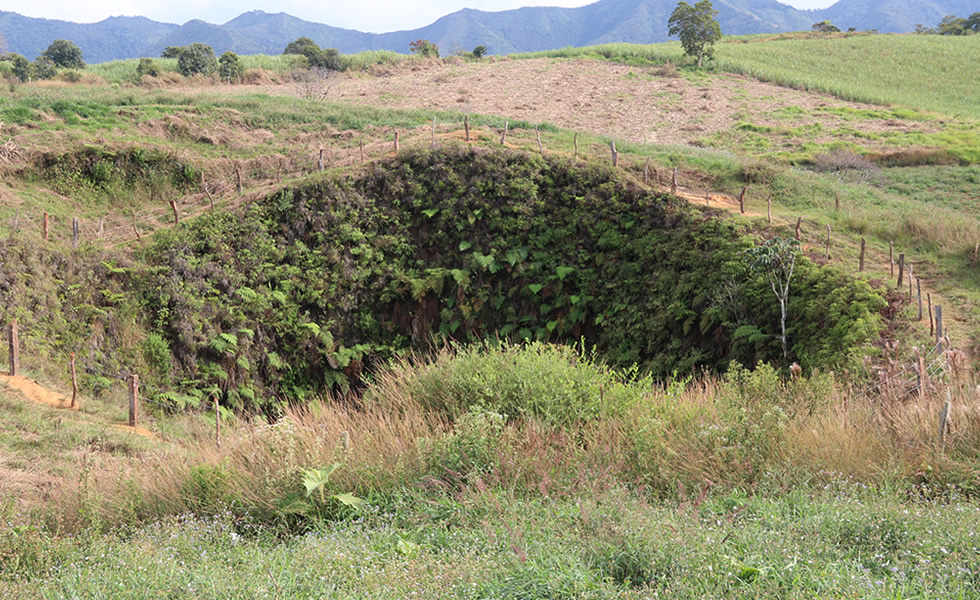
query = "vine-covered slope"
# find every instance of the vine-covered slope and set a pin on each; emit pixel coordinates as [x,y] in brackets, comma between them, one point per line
[302,290]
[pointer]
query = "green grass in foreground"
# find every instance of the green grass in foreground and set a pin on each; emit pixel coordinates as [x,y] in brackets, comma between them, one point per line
[835,543]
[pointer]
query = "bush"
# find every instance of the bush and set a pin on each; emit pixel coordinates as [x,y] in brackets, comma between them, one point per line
[21,67]
[230,67]
[424,48]
[146,66]
[552,383]
[64,54]
[197,59]
[43,68]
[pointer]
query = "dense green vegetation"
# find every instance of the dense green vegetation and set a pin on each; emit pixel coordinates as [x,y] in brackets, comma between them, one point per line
[296,293]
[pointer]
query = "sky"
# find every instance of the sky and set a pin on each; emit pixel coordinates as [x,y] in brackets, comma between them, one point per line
[375,16]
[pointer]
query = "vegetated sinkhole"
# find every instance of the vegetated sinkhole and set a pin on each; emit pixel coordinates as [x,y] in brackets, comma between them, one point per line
[302,291]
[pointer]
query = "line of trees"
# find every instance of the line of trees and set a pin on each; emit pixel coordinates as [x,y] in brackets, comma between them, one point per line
[953,25]
[61,54]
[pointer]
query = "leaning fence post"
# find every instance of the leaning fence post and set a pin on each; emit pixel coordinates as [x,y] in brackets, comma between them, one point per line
[134,391]
[74,383]
[932,323]
[503,136]
[12,338]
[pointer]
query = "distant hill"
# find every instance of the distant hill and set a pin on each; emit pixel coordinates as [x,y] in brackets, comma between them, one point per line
[519,30]
[895,15]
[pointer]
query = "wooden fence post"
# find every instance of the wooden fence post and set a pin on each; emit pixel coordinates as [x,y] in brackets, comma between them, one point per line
[503,136]
[861,259]
[910,281]
[891,259]
[976,254]
[673,182]
[466,126]
[217,422]
[74,232]
[901,269]
[45,226]
[828,241]
[923,376]
[575,141]
[239,184]
[319,161]
[799,221]
[918,288]
[134,392]
[932,323]
[741,201]
[14,342]
[138,236]
[615,155]
[537,132]
[173,206]
[769,209]
[74,383]
[396,142]
[939,323]
[837,201]
[207,190]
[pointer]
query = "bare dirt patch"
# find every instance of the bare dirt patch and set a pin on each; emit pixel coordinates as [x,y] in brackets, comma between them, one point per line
[633,103]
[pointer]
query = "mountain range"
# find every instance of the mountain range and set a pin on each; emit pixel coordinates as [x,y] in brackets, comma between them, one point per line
[519,30]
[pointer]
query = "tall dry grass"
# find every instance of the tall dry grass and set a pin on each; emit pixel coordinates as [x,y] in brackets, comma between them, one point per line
[752,430]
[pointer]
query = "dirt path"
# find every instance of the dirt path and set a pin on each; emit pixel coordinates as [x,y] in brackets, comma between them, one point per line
[37,393]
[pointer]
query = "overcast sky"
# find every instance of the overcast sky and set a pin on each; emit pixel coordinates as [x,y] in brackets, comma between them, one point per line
[364,15]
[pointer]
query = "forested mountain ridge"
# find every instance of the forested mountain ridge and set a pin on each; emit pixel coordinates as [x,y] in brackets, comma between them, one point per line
[519,30]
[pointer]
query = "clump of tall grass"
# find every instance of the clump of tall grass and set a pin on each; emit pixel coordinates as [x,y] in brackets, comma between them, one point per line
[547,420]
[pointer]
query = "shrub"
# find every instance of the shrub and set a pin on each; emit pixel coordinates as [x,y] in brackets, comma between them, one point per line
[424,48]
[196,59]
[146,66]
[552,383]
[230,67]
[64,54]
